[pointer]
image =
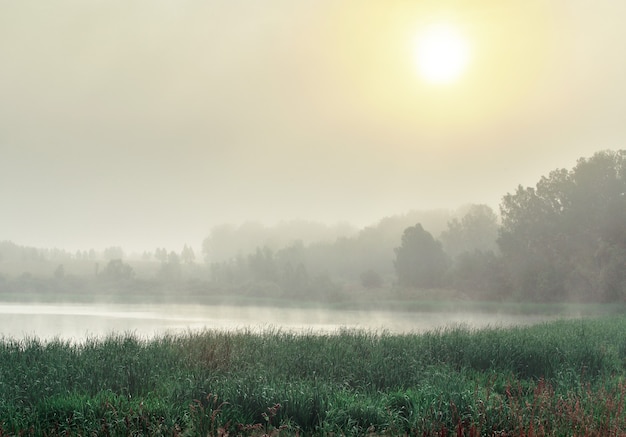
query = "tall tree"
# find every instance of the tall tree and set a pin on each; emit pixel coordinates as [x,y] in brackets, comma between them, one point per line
[477,230]
[187,255]
[171,269]
[567,235]
[420,259]
[116,270]
[160,253]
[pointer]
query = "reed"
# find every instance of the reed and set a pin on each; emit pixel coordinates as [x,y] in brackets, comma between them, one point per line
[560,378]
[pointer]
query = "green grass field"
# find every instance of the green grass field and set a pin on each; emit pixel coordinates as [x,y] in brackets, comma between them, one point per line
[560,378]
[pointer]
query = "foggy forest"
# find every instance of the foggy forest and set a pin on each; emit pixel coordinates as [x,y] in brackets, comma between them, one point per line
[561,240]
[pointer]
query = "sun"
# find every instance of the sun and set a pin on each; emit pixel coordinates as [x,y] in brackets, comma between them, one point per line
[441,53]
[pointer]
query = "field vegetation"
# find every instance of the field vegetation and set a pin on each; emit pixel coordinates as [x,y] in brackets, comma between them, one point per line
[556,248]
[560,378]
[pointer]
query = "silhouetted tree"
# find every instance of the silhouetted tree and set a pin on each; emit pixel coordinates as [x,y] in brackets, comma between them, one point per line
[567,235]
[161,254]
[171,269]
[420,260]
[117,270]
[479,274]
[187,255]
[476,230]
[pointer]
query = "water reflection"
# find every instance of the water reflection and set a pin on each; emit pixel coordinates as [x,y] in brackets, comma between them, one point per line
[79,321]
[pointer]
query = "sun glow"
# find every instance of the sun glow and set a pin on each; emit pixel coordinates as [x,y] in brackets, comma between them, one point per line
[442,54]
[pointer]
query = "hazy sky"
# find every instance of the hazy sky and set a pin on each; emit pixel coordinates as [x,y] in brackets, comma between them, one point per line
[145,123]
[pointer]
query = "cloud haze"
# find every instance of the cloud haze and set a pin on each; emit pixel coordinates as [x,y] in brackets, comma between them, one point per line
[146,123]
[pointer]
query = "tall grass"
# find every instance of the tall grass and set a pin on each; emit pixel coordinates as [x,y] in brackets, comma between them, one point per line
[559,378]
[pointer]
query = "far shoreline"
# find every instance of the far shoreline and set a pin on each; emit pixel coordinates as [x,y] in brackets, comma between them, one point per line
[423,304]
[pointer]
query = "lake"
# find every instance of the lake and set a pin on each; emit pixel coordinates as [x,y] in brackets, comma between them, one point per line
[80,321]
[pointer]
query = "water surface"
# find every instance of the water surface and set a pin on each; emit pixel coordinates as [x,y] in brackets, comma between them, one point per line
[80,321]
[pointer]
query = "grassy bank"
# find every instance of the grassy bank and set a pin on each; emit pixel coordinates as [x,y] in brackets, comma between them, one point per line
[559,378]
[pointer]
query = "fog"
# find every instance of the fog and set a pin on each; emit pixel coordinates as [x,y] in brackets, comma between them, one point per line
[147,124]
[79,322]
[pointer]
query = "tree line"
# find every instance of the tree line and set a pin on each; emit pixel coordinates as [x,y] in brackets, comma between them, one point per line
[562,239]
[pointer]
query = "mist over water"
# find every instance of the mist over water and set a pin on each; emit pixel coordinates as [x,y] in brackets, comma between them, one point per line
[78,322]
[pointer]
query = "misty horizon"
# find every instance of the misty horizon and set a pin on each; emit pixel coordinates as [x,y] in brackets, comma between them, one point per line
[147,125]
[278,235]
